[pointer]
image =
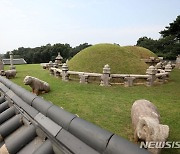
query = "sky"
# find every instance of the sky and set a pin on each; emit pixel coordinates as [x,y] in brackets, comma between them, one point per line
[32,23]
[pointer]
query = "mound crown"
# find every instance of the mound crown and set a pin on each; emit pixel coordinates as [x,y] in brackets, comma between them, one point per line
[120,60]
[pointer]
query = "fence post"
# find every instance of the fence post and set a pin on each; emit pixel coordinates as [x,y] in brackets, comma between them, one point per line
[105,78]
[65,75]
[50,64]
[151,71]
[51,71]
[168,68]
[83,78]
[128,81]
[57,74]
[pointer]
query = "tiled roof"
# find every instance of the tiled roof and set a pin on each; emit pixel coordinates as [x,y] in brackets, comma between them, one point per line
[15,61]
[31,125]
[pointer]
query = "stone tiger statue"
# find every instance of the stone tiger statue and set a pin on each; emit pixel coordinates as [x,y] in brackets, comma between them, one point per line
[38,86]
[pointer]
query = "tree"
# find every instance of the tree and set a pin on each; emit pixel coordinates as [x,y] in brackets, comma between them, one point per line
[168,45]
[172,30]
[76,49]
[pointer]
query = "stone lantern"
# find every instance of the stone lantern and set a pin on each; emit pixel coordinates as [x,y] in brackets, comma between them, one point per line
[58,59]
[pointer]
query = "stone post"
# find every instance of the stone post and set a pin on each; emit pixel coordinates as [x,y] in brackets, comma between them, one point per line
[128,81]
[168,69]
[83,78]
[57,74]
[51,71]
[65,75]
[158,65]
[162,79]
[50,64]
[105,78]
[1,64]
[11,61]
[151,71]
[178,62]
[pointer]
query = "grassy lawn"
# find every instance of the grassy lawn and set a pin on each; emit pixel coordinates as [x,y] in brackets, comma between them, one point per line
[109,107]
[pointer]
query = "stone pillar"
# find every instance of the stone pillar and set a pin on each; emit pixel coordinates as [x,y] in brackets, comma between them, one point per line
[65,75]
[51,71]
[83,78]
[50,64]
[1,65]
[151,71]
[105,78]
[168,68]
[178,62]
[128,81]
[57,74]
[158,65]
[162,79]
[11,61]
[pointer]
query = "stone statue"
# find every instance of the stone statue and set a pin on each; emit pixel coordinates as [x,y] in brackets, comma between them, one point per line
[146,122]
[9,73]
[1,64]
[37,85]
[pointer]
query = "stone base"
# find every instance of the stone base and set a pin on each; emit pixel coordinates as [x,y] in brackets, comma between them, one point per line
[12,67]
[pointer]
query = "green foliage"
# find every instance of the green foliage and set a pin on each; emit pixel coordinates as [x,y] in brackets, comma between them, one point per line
[173,29]
[110,107]
[168,45]
[46,53]
[120,60]
[77,49]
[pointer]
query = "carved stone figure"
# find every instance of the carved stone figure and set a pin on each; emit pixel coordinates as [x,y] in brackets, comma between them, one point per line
[146,122]
[37,85]
[9,73]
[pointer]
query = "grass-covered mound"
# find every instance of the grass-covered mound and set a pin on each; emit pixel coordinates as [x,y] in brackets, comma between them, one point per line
[143,53]
[120,60]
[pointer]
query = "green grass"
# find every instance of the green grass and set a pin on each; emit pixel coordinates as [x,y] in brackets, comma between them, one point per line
[109,107]
[143,53]
[120,60]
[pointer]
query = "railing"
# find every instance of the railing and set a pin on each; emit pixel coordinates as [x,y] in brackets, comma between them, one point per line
[30,124]
[106,78]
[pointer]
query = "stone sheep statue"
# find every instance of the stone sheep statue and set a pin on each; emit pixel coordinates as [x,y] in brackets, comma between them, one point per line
[38,86]
[146,122]
[9,73]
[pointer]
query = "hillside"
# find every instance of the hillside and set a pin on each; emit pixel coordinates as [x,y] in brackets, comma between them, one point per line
[120,60]
[143,53]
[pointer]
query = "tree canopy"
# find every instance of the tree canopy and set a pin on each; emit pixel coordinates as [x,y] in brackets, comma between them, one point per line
[47,53]
[172,30]
[168,45]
